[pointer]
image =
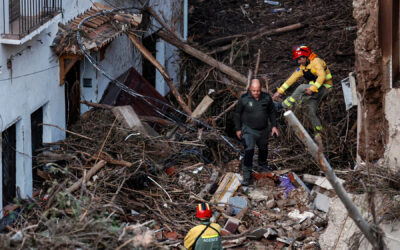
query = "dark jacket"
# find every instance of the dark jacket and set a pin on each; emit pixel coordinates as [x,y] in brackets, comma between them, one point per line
[254,114]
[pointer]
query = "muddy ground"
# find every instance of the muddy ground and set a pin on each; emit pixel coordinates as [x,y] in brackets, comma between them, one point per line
[330,32]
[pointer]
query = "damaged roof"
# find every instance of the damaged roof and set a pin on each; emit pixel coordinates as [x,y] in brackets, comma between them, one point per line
[97,32]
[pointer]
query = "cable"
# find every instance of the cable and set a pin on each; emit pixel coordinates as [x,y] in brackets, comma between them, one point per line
[29,74]
[131,91]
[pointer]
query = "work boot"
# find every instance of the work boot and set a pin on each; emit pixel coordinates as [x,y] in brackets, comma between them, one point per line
[246,175]
[263,167]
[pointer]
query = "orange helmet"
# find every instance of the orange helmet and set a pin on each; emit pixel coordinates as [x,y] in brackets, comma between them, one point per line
[299,51]
[203,211]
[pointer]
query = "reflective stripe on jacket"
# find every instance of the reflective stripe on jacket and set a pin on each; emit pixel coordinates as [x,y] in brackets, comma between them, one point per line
[316,73]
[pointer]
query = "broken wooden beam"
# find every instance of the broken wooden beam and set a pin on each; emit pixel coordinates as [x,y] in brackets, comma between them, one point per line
[204,57]
[202,107]
[89,174]
[261,34]
[315,151]
[211,182]
[161,69]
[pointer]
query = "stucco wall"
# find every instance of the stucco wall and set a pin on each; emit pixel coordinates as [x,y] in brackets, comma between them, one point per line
[392,107]
[33,82]
[119,57]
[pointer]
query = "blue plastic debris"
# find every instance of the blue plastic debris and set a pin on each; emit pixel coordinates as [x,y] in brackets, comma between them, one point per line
[287,184]
[271,2]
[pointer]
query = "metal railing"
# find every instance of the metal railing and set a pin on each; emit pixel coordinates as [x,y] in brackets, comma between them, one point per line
[24,16]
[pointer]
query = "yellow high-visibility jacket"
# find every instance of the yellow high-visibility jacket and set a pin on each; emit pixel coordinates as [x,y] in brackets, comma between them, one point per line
[210,239]
[316,72]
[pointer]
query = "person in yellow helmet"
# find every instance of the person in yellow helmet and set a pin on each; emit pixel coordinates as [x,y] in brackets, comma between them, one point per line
[319,78]
[207,235]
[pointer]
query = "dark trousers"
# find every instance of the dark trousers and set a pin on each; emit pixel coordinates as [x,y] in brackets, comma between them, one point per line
[252,137]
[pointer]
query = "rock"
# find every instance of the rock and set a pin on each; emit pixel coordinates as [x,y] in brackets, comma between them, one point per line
[17,237]
[296,215]
[270,204]
[242,229]
[258,195]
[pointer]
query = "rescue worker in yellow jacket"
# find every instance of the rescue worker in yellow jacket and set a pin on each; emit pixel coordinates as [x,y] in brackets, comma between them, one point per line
[319,78]
[206,236]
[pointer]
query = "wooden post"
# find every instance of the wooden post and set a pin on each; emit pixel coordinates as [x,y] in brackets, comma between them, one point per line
[312,147]
[204,57]
[161,69]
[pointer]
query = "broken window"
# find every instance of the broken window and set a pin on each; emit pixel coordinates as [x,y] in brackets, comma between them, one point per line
[8,158]
[149,71]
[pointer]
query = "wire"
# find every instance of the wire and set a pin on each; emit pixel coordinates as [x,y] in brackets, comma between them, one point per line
[133,93]
[29,74]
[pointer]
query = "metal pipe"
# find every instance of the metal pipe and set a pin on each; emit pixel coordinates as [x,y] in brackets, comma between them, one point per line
[185,19]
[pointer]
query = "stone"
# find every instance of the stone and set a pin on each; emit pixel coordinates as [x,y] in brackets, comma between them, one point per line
[259,195]
[321,202]
[270,204]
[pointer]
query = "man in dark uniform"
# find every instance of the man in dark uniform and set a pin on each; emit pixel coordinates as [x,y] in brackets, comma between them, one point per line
[252,113]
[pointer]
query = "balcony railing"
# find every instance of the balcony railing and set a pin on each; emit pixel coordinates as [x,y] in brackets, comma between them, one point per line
[24,16]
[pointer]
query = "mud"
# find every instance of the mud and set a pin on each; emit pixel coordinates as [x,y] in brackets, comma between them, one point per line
[369,75]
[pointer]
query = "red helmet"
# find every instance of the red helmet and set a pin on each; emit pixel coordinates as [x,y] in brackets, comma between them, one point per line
[299,51]
[203,211]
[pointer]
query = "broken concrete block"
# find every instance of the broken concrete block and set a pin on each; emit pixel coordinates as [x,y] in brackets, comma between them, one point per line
[270,204]
[258,195]
[321,202]
[258,233]
[320,181]
[232,224]
[270,233]
[296,215]
[131,120]
[237,203]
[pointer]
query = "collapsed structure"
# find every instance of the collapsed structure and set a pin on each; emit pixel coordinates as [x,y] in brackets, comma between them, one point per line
[126,165]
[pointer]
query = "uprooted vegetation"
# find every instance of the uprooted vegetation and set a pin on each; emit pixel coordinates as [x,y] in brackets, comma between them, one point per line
[145,189]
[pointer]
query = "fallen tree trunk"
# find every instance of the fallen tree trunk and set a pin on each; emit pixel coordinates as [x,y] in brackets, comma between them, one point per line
[161,69]
[315,151]
[204,57]
[261,34]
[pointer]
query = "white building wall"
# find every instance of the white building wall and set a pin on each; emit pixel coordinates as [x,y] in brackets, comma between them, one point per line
[120,55]
[33,82]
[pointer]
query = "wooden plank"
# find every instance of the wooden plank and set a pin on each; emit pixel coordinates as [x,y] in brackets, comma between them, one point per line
[202,107]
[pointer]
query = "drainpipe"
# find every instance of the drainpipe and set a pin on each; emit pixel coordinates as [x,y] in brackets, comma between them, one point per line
[185,19]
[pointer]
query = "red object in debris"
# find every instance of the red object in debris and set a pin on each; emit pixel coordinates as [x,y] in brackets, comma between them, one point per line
[265,175]
[291,177]
[172,235]
[170,171]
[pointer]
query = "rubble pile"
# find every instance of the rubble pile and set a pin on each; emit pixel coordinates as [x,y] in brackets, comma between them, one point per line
[125,181]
